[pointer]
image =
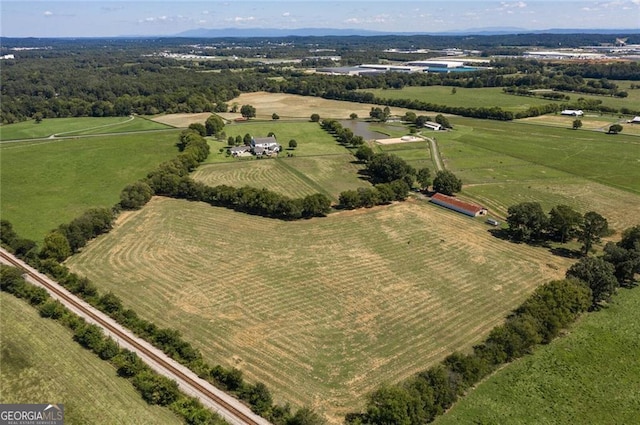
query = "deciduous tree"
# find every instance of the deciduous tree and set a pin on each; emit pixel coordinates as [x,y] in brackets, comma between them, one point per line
[214,125]
[446,182]
[248,111]
[598,275]
[593,228]
[526,221]
[564,222]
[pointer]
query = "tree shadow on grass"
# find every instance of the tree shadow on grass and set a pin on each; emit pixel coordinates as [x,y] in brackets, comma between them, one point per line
[565,252]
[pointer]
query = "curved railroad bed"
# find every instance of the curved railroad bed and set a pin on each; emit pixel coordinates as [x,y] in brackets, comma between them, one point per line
[229,408]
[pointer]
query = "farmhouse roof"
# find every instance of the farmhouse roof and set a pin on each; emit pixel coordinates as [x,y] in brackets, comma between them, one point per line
[458,205]
[262,140]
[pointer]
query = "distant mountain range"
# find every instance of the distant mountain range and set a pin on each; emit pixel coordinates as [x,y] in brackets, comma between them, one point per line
[322,32]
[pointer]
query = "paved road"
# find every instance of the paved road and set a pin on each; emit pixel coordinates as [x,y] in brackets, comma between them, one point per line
[231,409]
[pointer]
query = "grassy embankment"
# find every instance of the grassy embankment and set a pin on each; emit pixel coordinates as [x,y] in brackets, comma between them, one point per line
[42,364]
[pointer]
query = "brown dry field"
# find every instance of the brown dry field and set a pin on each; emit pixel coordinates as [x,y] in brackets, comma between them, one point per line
[588,122]
[182,120]
[287,106]
[296,106]
[323,310]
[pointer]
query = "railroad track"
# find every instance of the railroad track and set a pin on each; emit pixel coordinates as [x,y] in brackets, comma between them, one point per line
[230,412]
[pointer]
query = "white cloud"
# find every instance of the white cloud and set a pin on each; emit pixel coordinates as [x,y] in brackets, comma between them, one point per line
[240,19]
[48,13]
[205,12]
[512,5]
[286,14]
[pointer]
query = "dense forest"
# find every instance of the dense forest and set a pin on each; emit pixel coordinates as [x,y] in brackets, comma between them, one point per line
[117,77]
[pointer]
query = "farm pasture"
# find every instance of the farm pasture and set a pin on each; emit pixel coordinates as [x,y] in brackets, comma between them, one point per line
[502,164]
[76,127]
[42,364]
[321,310]
[182,120]
[416,154]
[50,182]
[616,205]
[588,376]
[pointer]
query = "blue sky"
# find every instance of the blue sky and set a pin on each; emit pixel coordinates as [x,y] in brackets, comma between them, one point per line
[98,18]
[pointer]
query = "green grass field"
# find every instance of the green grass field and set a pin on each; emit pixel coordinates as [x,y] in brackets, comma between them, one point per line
[591,375]
[502,164]
[464,97]
[47,183]
[40,363]
[312,140]
[416,154]
[321,310]
[76,127]
[318,165]
[494,96]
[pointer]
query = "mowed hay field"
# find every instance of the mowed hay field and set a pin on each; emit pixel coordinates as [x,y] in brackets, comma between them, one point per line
[42,364]
[321,310]
[590,376]
[294,177]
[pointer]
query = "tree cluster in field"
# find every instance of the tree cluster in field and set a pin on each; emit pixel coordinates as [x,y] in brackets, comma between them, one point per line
[528,223]
[391,176]
[538,320]
[154,389]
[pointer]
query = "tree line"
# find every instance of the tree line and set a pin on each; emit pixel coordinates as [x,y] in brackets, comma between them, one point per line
[120,82]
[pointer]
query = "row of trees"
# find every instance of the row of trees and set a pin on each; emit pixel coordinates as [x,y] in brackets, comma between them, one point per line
[528,223]
[380,194]
[344,136]
[153,388]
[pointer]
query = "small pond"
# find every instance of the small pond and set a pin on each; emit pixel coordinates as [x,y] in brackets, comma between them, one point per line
[363,129]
